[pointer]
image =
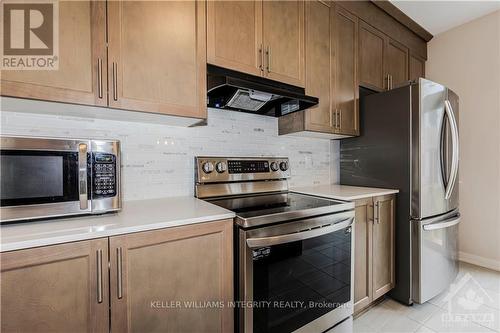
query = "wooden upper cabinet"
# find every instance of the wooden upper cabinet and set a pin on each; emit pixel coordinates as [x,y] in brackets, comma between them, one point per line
[157,56]
[283,40]
[372,44]
[416,67]
[383,245]
[234,35]
[319,66]
[191,263]
[81,76]
[59,288]
[346,85]
[396,62]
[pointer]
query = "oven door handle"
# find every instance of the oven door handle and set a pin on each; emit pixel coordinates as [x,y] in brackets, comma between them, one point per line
[258,242]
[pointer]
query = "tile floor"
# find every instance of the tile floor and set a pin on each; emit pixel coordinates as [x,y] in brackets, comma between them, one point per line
[471,304]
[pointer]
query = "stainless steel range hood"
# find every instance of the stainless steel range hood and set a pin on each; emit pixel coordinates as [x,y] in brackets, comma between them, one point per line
[228,89]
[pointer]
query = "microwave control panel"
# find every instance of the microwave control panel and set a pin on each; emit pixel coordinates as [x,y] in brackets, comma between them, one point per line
[104,175]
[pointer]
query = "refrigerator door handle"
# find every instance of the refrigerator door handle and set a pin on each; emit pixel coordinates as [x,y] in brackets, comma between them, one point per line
[442,225]
[455,148]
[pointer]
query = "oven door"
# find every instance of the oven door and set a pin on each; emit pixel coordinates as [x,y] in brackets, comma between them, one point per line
[296,276]
[43,178]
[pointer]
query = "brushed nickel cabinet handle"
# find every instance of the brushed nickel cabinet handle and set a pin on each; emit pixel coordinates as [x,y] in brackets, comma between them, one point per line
[261,58]
[99,275]
[340,118]
[115,81]
[99,77]
[119,272]
[268,53]
[377,212]
[392,86]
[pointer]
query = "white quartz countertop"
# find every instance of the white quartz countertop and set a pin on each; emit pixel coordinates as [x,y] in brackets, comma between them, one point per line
[135,216]
[343,192]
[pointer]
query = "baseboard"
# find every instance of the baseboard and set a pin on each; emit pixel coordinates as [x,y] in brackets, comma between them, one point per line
[479,261]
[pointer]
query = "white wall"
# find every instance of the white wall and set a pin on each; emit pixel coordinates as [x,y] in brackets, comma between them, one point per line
[158,160]
[467,59]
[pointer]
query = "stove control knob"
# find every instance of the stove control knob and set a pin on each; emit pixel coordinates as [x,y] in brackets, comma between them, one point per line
[284,166]
[221,167]
[274,166]
[208,167]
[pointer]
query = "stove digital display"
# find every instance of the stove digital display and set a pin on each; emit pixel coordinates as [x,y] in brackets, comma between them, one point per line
[235,166]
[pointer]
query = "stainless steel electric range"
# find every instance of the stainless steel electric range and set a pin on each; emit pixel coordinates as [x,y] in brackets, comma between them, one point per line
[293,252]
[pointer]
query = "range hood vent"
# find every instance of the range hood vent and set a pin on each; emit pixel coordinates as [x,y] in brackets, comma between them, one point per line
[228,89]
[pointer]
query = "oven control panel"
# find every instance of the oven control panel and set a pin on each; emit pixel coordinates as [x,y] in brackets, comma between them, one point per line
[247,166]
[227,169]
[103,175]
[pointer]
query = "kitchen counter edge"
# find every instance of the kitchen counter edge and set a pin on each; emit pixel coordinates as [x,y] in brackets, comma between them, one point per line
[136,216]
[343,192]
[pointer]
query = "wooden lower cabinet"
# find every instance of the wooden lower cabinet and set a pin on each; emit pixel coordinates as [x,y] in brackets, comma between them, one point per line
[156,281]
[58,288]
[374,249]
[152,270]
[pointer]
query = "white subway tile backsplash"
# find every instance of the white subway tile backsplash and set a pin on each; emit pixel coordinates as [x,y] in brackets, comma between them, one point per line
[158,160]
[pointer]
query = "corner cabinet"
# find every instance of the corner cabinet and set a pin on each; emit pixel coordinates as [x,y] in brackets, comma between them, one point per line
[374,273]
[153,281]
[416,66]
[59,288]
[264,38]
[137,55]
[331,51]
[383,62]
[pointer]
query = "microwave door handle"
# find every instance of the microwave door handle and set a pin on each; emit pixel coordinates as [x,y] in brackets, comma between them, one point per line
[455,148]
[82,176]
[258,242]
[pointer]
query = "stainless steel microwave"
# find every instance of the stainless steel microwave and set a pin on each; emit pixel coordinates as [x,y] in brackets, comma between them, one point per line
[52,177]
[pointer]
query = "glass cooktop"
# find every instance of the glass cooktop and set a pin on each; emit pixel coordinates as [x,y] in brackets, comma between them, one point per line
[282,206]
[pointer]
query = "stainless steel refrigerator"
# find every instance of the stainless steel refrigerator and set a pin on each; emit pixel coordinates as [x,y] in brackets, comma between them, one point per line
[409,141]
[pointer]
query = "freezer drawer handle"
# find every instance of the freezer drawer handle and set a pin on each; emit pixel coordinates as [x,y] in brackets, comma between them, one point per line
[442,225]
[293,237]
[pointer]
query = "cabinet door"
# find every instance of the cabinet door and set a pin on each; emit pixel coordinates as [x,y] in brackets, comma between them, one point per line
[363,254]
[383,245]
[156,274]
[157,56]
[416,67]
[346,88]
[371,57]
[283,38]
[81,75]
[234,35]
[59,288]
[396,61]
[319,65]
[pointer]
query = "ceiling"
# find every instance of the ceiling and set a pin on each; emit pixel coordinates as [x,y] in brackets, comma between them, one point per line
[439,16]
